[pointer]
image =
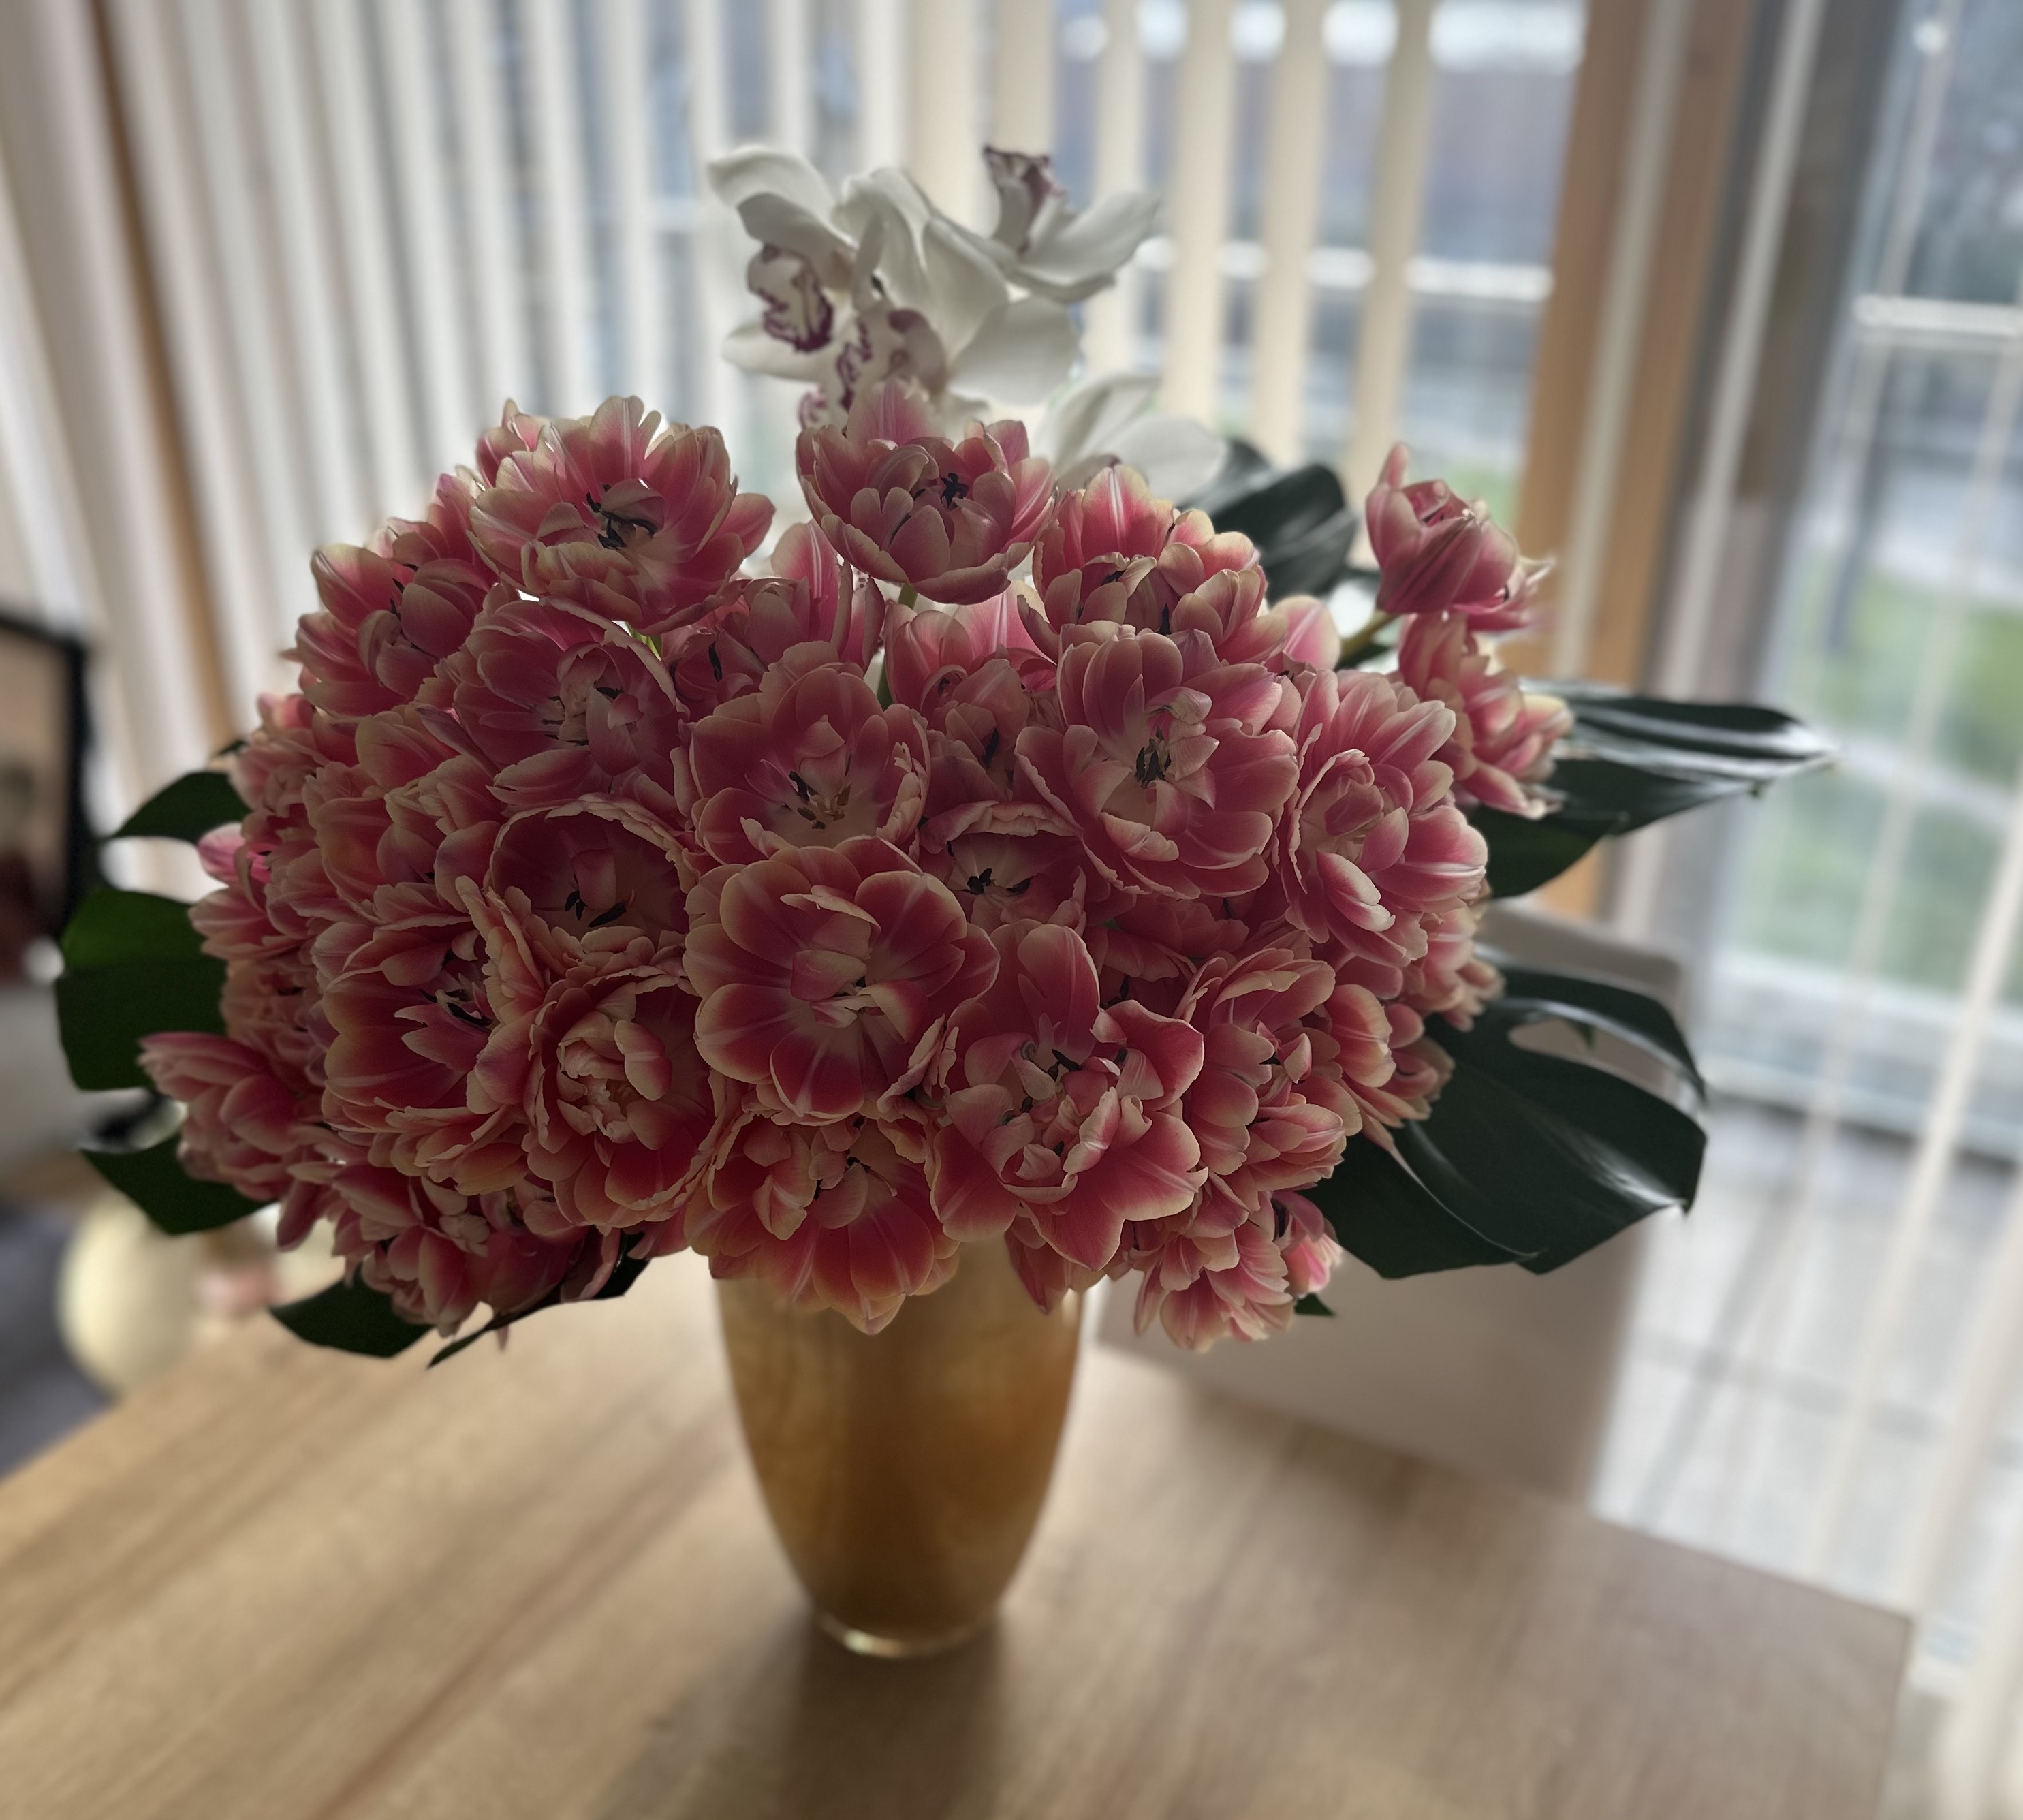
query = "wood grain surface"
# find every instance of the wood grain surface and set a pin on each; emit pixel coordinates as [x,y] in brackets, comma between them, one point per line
[537,1582]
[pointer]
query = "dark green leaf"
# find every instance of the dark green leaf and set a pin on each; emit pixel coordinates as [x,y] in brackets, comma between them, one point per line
[1526,1158]
[154,1181]
[1300,522]
[1753,744]
[1534,994]
[187,810]
[1394,1222]
[348,1316]
[1596,798]
[1546,1155]
[1633,760]
[112,926]
[624,1273]
[1591,790]
[1245,469]
[133,965]
[105,1011]
[464,1342]
[1312,1305]
[1524,854]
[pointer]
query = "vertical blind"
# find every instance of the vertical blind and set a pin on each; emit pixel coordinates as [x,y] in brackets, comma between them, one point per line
[371,222]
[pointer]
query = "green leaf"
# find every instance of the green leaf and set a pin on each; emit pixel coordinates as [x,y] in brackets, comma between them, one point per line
[154,1181]
[1301,523]
[1525,853]
[349,1317]
[1591,790]
[133,966]
[1633,760]
[464,1342]
[1548,1156]
[1312,1305]
[187,810]
[1394,1222]
[1245,468]
[103,1012]
[1525,1158]
[1532,995]
[1751,744]
[112,926]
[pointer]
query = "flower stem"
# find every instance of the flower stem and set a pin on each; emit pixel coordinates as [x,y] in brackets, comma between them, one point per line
[1360,640]
[909,596]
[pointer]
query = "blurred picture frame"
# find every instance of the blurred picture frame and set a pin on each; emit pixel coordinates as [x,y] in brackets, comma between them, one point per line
[45,839]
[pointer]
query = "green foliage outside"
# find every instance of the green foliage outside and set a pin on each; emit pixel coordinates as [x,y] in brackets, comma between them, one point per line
[1812,840]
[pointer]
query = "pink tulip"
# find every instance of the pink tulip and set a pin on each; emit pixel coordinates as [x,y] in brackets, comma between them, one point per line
[819,969]
[637,526]
[1061,1110]
[1373,840]
[949,520]
[1437,553]
[556,703]
[830,1216]
[1173,768]
[1260,1128]
[593,1047]
[390,613]
[1503,740]
[241,1125]
[809,759]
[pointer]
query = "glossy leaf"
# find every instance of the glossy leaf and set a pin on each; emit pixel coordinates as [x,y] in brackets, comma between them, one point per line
[1526,853]
[154,1181]
[187,810]
[133,965]
[1751,744]
[1245,469]
[1532,995]
[1525,1158]
[349,1317]
[1312,1305]
[1394,1222]
[1599,797]
[1300,522]
[1632,760]
[1546,1156]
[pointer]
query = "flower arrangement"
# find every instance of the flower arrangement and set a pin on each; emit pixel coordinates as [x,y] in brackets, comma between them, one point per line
[1002,860]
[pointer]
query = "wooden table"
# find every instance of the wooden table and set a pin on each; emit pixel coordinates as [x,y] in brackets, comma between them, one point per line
[283,1583]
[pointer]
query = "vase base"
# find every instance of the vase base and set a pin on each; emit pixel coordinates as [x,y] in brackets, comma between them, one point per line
[861,1643]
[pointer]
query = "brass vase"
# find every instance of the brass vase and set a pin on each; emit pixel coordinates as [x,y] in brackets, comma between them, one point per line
[904,1470]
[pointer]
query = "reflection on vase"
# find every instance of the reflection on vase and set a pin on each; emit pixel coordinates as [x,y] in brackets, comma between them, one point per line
[904,1470]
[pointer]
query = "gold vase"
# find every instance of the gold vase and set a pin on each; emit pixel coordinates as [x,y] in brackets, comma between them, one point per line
[904,1470]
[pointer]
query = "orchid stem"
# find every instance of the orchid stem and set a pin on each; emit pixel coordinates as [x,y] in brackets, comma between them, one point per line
[1360,640]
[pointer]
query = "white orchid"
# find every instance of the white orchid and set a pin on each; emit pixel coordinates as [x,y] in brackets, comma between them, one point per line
[879,284]
[1111,419]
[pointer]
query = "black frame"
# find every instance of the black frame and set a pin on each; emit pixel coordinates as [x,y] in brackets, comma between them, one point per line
[80,868]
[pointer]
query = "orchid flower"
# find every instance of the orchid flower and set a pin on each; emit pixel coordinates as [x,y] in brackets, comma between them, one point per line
[879,284]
